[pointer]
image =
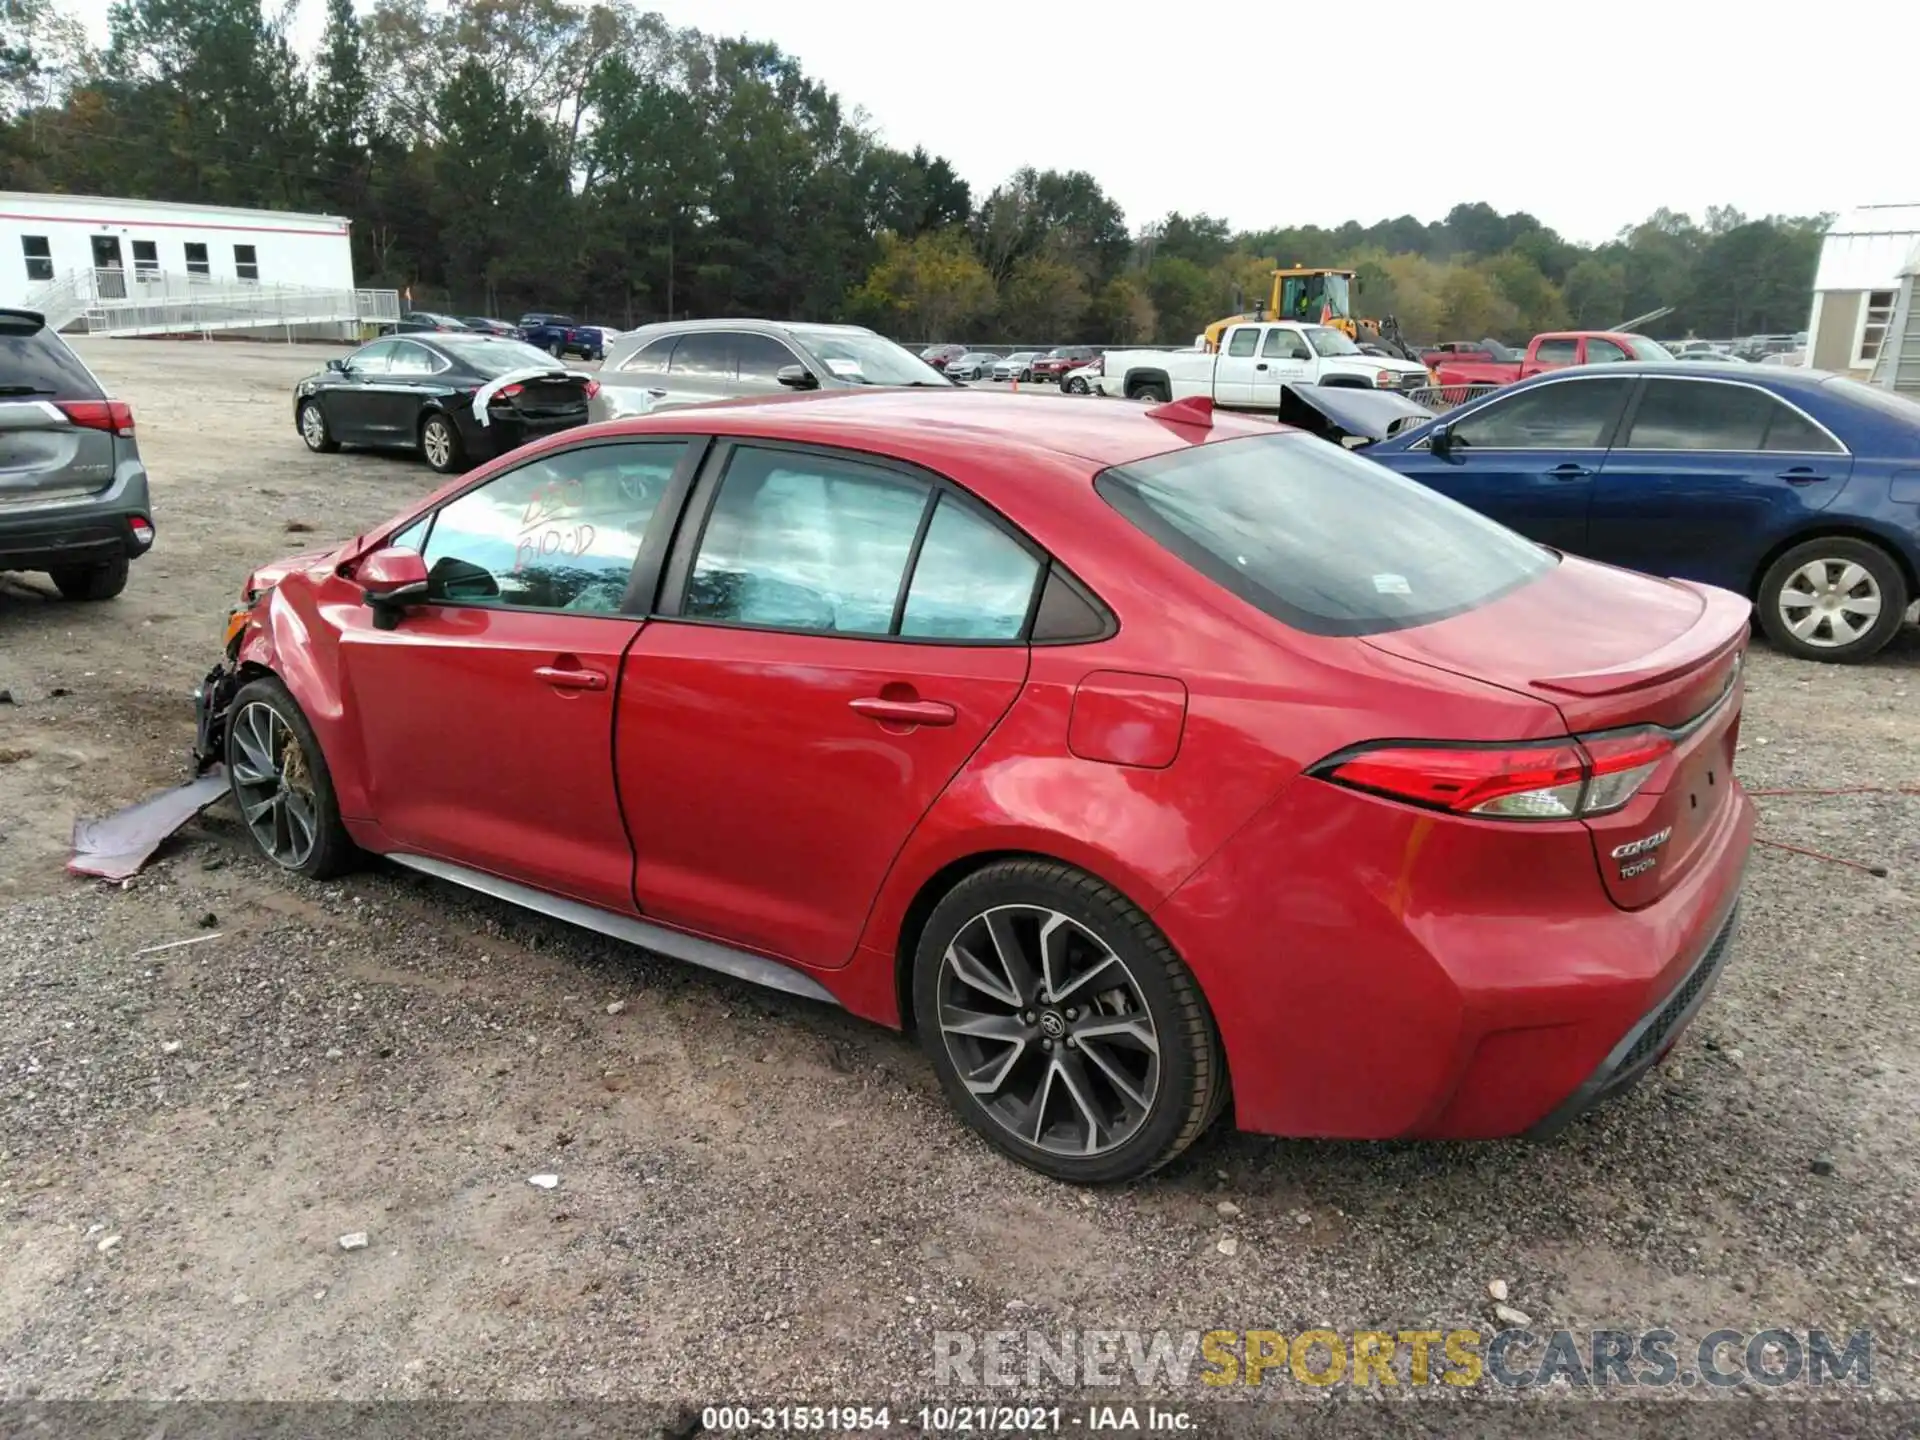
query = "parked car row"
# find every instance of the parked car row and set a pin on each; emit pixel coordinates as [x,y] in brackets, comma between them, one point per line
[960,362]
[558,335]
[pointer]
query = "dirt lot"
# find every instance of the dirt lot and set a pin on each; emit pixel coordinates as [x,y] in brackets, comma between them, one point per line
[758,1196]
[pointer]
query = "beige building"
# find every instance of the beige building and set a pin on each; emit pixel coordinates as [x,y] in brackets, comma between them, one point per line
[1857,287]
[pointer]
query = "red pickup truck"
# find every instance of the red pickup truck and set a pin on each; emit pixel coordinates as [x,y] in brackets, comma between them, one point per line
[1553,351]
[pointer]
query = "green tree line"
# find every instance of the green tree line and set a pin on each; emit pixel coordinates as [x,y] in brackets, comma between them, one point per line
[502,155]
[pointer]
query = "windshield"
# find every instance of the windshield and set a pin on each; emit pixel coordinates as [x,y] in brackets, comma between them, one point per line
[497,357]
[1319,538]
[1328,341]
[1645,349]
[862,359]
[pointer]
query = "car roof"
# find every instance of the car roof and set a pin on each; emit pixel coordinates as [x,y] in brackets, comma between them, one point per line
[903,421]
[1779,377]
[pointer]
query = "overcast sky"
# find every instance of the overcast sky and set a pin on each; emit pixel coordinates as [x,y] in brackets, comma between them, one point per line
[1588,115]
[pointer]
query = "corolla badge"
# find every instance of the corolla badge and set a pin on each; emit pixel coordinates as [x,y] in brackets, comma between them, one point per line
[1642,848]
[1643,844]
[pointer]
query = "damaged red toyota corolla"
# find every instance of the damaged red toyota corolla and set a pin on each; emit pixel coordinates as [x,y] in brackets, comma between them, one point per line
[1135,757]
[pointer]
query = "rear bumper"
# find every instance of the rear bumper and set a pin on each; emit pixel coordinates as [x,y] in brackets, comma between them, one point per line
[1377,973]
[1643,1047]
[502,433]
[89,531]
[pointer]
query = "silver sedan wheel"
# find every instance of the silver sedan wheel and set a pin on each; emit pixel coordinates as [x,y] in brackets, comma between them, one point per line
[437,441]
[1829,604]
[1049,1030]
[273,786]
[313,426]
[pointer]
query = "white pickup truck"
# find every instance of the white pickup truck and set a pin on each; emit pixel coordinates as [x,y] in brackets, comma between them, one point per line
[1254,360]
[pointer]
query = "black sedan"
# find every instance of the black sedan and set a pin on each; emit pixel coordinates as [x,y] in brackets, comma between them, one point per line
[457,399]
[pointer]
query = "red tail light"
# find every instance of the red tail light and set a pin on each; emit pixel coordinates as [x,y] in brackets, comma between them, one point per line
[507,392]
[1559,780]
[593,388]
[114,416]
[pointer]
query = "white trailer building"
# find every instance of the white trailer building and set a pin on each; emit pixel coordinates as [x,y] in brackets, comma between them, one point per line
[149,267]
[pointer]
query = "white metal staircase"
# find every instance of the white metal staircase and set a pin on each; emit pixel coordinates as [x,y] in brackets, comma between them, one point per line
[1897,366]
[156,302]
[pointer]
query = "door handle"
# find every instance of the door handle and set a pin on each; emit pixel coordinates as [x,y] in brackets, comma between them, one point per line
[571,679]
[1569,471]
[904,712]
[1261,366]
[1802,475]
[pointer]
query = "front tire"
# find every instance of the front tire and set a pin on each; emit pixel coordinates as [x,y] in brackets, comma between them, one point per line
[1073,385]
[1063,1027]
[440,444]
[92,582]
[1835,599]
[314,429]
[280,782]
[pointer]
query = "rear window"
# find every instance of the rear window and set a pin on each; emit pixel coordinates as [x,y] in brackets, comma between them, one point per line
[34,361]
[1319,538]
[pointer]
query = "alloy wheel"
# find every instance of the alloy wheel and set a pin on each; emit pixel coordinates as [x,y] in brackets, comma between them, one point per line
[1830,603]
[313,426]
[437,441]
[1049,1030]
[274,786]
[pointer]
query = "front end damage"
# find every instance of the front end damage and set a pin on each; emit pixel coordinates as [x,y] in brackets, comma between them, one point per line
[213,696]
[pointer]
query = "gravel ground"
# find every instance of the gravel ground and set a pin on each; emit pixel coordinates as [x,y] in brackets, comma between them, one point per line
[757,1196]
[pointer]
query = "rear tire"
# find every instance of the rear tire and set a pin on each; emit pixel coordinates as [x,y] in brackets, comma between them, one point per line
[1094,1037]
[279,780]
[1150,392]
[440,444]
[557,350]
[92,582]
[1835,599]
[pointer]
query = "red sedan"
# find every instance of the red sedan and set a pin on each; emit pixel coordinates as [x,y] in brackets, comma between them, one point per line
[1135,757]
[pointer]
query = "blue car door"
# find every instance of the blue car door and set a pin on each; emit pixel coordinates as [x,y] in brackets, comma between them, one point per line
[1528,459]
[1708,475]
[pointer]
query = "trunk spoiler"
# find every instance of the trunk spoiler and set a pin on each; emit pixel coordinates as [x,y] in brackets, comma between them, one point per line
[1349,415]
[1721,627]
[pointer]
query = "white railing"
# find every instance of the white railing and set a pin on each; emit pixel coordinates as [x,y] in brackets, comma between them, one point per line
[151,302]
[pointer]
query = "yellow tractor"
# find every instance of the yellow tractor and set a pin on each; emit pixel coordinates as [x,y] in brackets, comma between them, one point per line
[1316,297]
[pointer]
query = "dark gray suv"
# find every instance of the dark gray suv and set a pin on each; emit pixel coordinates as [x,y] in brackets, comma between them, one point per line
[73,492]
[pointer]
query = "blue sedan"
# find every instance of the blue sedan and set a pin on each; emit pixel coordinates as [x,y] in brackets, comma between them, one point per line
[1797,488]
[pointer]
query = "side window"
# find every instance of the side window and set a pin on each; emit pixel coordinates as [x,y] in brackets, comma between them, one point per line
[652,358]
[972,581]
[412,360]
[146,258]
[1700,415]
[761,357]
[246,262]
[1284,345]
[1604,352]
[1792,431]
[413,536]
[805,542]
[1243,340]
[1566,415]
[38,252]
[560,533]
[372,359]
[1556,352]
[197,263]
[704,353]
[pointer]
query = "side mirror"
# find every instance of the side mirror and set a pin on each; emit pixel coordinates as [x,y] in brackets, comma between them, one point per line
[797,377]
[390,580]
[338,366]
[1440,438]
